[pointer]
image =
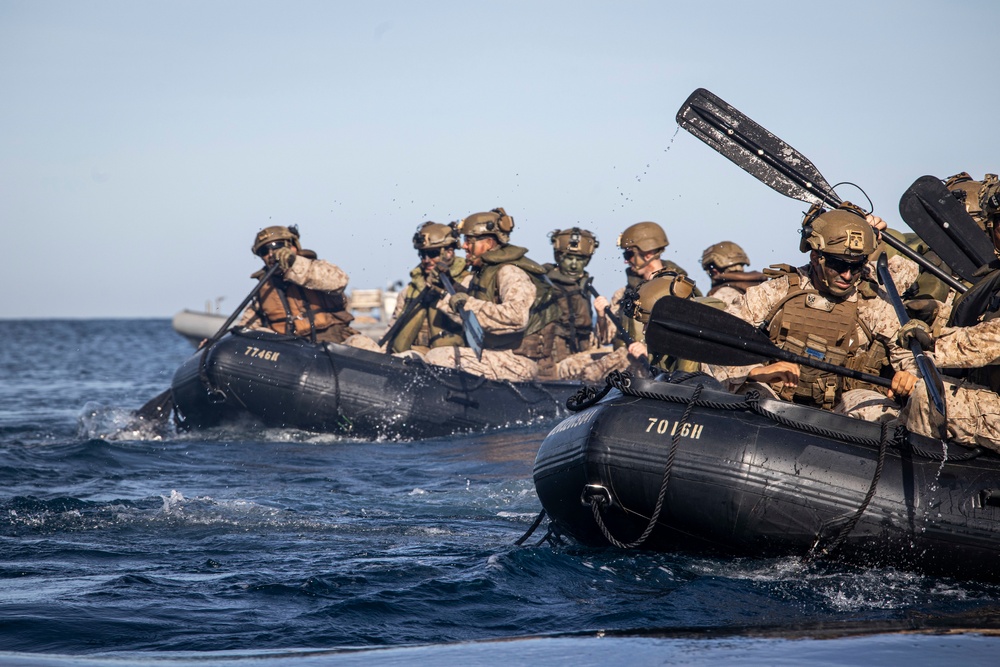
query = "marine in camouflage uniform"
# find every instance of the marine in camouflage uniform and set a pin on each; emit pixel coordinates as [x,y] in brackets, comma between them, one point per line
[833,310]
[423,325]
[304,298]
[726,266]
[642,245]
[509,296]
[969,348]
[573,332]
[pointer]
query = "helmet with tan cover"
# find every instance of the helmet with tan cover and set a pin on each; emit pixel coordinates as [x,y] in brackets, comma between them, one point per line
[843,232]
[574,241]
[645,236]
[494,223]
[434,235]
[989,199]
[723,255]
[277,235]
[967,191]
[662,283]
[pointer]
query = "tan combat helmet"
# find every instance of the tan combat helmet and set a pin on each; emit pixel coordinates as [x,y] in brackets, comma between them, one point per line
[967,191]
[276,233]
[662,283]
[645,236]
[843,232]
[494,223]
[434,235]
[724,255]
[574,241]
[989,199]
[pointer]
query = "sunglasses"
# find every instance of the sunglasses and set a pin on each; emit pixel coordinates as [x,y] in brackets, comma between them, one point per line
[430,253]
[265,250]
[841,266]
[629,254]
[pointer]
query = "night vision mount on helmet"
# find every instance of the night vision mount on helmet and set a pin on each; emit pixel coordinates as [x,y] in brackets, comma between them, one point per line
[434,235]
[494,223]
[842,231]
[574,241]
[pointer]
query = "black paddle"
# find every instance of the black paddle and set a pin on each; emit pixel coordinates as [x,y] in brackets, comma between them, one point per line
[930,210]
[691,330]
[932,379]
[470,323]
[772,161]
[159,406]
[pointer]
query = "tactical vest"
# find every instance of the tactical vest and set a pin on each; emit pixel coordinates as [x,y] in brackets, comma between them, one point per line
[427,326]
[738,280]
[573,330]
[809,323]
[981,303]
[544,309]
[289,308]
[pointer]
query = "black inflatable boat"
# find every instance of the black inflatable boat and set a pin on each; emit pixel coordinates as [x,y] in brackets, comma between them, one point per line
[285,381]
[688,467]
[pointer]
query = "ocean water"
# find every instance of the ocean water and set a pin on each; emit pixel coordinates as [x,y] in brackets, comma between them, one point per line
[122,545]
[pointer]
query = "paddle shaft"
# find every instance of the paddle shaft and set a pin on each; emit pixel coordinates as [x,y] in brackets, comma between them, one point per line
[932,379]
[239,309]
[622,333]
[766,349]
[811,187]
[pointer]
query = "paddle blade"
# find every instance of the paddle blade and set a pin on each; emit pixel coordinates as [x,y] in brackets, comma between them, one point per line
[690,330]
[473,332]
[754,149]
[930,210]
[157,408]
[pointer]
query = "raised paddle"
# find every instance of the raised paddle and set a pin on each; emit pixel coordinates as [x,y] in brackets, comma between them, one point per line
[694,331]
[159,406]
[932,379]
[474,335]
[772,161]
[942,222]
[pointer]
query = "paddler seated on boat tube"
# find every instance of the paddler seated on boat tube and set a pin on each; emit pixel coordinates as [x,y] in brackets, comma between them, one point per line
[726,265]
[642,245]
[574,331]
[831,308]
[508,294]
[969,348]
[304,298]
[417,323]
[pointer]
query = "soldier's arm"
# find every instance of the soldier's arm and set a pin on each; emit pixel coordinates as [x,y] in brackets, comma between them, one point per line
[968,347]
[316,274]
[516,292]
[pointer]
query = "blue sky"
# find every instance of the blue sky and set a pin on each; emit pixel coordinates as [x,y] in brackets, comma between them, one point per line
[143,144]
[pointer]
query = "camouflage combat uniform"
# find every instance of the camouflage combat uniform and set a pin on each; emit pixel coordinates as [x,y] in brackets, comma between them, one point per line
[869,346]
[509,315]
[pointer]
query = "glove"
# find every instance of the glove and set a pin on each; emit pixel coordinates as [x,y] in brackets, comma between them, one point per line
[918,331]
[285,257]
[458,301]
[430,296]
